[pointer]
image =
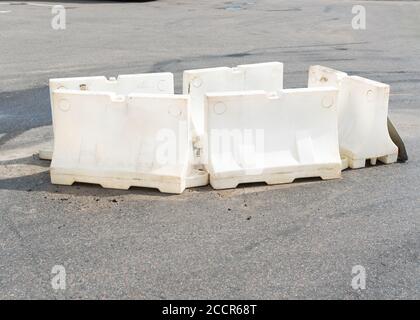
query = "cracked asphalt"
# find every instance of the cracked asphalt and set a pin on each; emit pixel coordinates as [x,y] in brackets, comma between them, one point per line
[294,241]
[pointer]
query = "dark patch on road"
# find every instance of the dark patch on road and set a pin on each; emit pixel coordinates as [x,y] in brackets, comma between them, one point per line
[237,55]
[177,64]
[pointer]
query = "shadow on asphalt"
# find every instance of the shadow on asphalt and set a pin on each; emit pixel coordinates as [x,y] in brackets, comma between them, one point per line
[40,181]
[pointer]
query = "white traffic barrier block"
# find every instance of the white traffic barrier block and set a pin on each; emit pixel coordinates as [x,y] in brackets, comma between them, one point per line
[362,116]
[119,141]
[157,83]
[196,83]
[255,136]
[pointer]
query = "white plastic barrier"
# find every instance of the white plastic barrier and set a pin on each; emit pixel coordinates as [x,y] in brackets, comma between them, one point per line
[120,141]
[196,83]
[158,83]
[362,116]
[255,136]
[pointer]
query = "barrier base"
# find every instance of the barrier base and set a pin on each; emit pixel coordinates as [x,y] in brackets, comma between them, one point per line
[361,163]
[165,184]
[325,172]
[197,178]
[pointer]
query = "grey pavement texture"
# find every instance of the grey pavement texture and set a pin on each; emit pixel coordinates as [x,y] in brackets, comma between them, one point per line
[292,241]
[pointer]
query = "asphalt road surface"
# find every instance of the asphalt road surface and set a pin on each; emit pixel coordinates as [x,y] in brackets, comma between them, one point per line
[299,240]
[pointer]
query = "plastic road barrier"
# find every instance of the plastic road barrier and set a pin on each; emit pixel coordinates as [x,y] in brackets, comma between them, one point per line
[196,83]
[255,136]
[362,116]
[158,83]
[120,140]
[236,125]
